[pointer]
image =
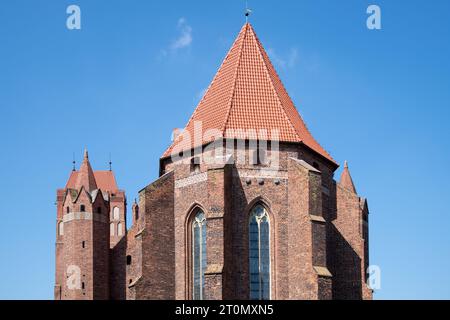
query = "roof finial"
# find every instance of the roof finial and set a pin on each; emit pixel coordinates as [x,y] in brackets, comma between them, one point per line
[73,162]
[110,162]
[345,164]
[86,176]
[248,11]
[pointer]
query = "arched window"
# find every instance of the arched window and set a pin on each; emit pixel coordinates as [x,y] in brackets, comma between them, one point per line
[111,229]
[119,229]
[116,213]
[61,228]
[259,253]
[198,255]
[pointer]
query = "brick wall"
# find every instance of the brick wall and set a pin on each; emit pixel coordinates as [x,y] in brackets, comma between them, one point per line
[158,243]
[349,257]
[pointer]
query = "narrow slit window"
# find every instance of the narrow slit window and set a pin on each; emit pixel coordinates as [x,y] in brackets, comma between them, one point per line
[61,228]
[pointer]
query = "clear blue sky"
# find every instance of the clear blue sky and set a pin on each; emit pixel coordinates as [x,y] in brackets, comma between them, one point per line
[379,99]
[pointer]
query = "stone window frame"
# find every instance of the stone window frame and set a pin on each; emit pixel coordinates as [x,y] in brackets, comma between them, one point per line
[192,212]
[261,218]
[273,243]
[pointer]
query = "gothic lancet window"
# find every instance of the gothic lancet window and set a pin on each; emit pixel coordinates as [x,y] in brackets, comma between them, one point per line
[198,255]
[119,229]
[116,213]
[259,253]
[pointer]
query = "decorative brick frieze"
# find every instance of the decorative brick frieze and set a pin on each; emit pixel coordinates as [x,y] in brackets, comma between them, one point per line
[197,178]
[85,216]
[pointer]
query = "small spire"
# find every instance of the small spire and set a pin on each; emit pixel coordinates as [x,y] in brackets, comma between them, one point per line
[248,11]
[346,179]
[73,162]
[86,177]
[110,162]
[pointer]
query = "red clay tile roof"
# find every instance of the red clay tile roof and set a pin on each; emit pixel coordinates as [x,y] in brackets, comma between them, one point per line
[245,94]
[91,180]
[105,180]
[72,180]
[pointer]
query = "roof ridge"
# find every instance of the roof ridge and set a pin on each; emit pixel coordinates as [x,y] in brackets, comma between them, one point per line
[266,69]
[213,81]
[298,134]
[236,72]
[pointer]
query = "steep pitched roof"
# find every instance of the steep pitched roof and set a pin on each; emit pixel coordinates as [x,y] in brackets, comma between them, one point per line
[247,94]
[91,180]
[86,176]
[346,179]
[105,180]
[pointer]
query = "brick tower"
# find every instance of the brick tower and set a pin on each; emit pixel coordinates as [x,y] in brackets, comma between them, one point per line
[90,225]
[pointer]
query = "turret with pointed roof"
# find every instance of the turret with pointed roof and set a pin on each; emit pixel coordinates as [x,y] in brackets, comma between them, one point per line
[91,213]
[86,176]
[346,179]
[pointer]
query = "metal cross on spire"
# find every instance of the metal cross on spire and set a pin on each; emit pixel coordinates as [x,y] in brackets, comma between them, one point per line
[248,11]
[110,162]
[73,162]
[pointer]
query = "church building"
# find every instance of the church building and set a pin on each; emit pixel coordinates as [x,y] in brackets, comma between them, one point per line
[246,207]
